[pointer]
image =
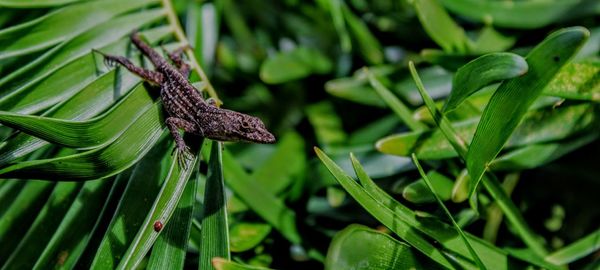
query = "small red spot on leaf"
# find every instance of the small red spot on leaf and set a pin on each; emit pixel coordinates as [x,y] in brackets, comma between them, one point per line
[158,226]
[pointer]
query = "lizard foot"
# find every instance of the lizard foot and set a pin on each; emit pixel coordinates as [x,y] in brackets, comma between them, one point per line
[183,155]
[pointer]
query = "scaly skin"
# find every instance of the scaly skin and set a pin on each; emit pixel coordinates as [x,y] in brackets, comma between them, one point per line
[185,106]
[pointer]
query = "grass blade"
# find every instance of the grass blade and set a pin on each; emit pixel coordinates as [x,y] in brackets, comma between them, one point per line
[359,245]
[383,214]
[489,181]
[483,71]
[440,26]
[512,99]
[395,104]
[439,201]
[161,211]
[581,248]
[215,229]
[171,246]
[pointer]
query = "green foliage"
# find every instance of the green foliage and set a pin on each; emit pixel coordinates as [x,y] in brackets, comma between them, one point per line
[442,101]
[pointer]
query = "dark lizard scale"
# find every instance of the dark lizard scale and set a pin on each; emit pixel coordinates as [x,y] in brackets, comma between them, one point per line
[186,108]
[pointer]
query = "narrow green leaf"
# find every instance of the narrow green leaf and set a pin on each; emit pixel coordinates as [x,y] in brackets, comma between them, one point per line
[92,99]
[335,8]
[295,64]
[536,127]
[440,26]
[52,70]
[47,221]
[22,210]
[417,192]
[142,186]
[579,249]
[223,264]
[73,233]
[483,71]
[35,3]
[285,166]
[106,161]
[395,104]
[383,214]
[521,14]
[246,236]
[535,155]
[163,207]
[368,45]
[90,133]
[215,229]
[448,214]
[512,99]
[327,124]
[441,232]
[490,40]
[580,81]
[61,25]
[171,246]
[359,247]
[261,201]
[490,182]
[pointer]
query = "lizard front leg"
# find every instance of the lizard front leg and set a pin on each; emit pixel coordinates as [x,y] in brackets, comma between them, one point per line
[182,150]
[148,75]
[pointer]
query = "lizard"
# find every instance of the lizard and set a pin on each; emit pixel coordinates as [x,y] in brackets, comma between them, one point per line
[185,107]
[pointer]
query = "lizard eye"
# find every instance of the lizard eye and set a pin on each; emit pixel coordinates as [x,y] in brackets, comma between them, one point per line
[245,124]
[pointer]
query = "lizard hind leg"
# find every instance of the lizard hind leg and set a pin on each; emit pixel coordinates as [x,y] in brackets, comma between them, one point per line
[181,150]
[175,57]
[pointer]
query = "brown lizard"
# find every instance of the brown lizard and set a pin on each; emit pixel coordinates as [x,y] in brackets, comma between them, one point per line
[185,106]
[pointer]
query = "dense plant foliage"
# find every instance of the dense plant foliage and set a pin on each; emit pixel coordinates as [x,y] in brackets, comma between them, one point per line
[426,134]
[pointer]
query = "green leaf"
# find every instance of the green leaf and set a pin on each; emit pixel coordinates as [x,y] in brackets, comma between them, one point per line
[368,45]
[72,235]
[384,214]
[31,198]
[489,181]
[42,229]
[171,246]
[295,64]
[490,40]
[223,264]
[61,25]
[245,235]
[35,3]
[86,134]
[522,14]
[440,26]
[536,155]
[417,192]
[483,71]
[395,104]
[163,207]
[215,230]
[359,247]
[327,124]
[101,162]
[143,185]
[448,214]
[260,200]
[512,99]
[579,249]
[579,81]
[536,127]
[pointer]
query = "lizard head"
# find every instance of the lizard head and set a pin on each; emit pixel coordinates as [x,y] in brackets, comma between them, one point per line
[234,126]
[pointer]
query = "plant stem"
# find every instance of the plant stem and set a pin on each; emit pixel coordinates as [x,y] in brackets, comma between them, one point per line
[180,36]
